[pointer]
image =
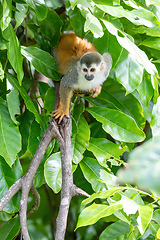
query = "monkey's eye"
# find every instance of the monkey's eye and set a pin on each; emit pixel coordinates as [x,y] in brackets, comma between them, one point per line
[85,70]
[92,69]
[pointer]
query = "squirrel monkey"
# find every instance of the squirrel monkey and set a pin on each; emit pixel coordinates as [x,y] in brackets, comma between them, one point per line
[82,67]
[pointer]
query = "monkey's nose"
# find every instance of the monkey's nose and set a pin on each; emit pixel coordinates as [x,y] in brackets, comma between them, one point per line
[89,78]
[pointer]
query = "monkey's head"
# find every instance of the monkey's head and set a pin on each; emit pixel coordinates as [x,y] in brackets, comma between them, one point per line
[91,63]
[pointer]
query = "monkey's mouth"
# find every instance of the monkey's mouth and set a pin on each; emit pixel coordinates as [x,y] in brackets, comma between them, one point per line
[89,78]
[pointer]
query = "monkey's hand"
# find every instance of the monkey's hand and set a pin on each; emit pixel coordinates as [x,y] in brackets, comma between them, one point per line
[60,112]
[96,91]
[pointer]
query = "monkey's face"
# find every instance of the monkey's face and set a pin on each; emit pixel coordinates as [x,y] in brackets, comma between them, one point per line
[91,72]
[90,65]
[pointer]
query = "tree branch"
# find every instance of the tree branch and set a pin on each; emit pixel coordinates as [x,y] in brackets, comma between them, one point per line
[25,183]
[68,189]
[78,191]
[10,193]
[67,180]
[27,179]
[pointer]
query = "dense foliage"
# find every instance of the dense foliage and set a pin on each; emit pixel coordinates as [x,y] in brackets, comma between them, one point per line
[105,136]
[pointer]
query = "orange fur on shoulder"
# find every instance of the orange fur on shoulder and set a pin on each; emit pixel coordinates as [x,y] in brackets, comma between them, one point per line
[70,49]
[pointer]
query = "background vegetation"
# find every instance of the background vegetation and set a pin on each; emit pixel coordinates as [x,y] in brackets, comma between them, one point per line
[105,136]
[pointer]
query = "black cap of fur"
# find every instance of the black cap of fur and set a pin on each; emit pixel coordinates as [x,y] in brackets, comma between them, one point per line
[91,57]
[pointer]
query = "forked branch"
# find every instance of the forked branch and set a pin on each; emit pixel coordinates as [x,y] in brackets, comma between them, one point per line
[25,183]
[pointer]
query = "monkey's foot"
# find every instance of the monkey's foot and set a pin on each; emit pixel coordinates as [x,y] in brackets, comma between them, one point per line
[60,113]
[96,91]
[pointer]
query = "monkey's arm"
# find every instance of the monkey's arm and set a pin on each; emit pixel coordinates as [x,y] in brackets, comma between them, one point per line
[65,94]
[64,104]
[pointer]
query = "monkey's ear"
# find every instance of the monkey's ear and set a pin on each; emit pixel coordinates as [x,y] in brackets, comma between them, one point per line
[108,63]
[102,66]
[107,58]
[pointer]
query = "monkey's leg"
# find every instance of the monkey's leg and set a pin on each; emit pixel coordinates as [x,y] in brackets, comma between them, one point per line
[64,104]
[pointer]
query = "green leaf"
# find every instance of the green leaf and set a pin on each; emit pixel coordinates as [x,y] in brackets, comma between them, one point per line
[7,12]
[138,17]
[42,61]
[108,43]
[1,72]
[158,234]
[53,172]
[155,120]
[143,167]
[126,43]
[43,87]
[117,124]
[104,149]
[94,25]
[113,95]
[129,205]
[156,216]
[14,52]
[80,141]
[108,178]
[154,31]
[49,99]
[153,226]
[114,230]
[151,43]
[128,72]
[77,111]
[8,176]
[9,135]
[121,215]
[20,14]
[85,3]
[10,228]
[104,195]
[93,213]
[154,2]
[155,85]
[145,89]
[77,21]
[25,121]
[27,100]
[39,7]
[39,178]
[109,2]
[51,27]
[34,140]
[3,46]
[145,216]
[13,104]
[91,171]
